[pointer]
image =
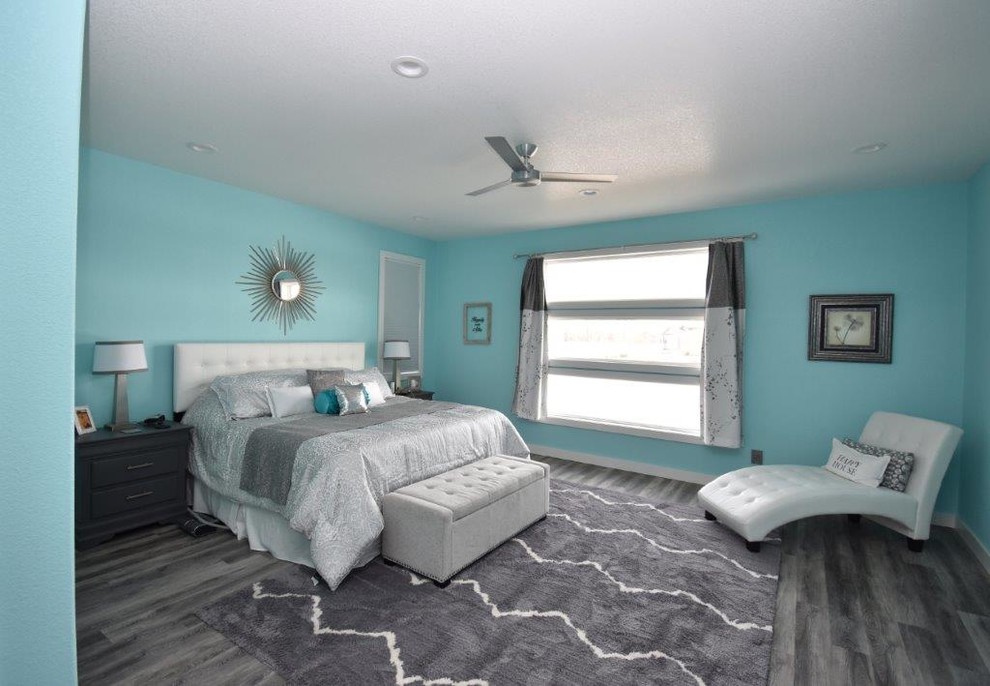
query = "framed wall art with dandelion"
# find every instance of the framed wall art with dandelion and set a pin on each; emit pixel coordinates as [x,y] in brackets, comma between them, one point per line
[851,328]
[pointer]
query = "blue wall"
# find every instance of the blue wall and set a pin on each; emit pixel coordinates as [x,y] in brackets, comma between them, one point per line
[911,242]
[40,85]
[975,485]
[159,253]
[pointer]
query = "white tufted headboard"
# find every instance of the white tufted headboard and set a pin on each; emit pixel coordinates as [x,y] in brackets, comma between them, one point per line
[197,364]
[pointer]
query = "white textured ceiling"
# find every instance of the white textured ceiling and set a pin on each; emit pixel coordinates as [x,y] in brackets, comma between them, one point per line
[693,103]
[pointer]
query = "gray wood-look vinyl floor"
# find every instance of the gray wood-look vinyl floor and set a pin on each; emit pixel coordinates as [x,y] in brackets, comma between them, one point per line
[854,606]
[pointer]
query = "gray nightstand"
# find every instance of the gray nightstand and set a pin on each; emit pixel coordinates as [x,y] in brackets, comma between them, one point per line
[128,480]
[417,393]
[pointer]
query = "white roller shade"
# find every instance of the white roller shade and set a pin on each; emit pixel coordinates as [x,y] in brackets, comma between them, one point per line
[401,308]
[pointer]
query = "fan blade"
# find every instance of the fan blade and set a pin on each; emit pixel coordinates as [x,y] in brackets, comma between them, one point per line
[493,187]
[578,178]
[505,151]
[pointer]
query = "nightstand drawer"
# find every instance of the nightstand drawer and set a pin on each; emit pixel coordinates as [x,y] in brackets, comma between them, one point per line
[134,466]
[134,496]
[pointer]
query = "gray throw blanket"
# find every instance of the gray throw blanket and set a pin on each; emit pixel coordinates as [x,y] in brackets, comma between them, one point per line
[270,454]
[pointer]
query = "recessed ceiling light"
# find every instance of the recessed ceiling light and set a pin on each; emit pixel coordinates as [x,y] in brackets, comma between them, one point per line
[588,192]
[201,147]
[410,67]
[869,149]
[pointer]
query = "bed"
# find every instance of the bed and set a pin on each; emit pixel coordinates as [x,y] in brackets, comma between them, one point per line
[318,503]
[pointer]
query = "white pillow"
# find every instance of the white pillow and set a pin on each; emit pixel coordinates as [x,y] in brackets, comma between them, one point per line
[367,375]
[851,464]
[244,396]
[285,402]
[374,391]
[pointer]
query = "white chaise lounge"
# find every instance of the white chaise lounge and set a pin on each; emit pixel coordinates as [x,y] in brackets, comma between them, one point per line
[755,500]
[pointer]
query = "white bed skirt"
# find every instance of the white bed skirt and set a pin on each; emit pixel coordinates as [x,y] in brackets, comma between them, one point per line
[265,531]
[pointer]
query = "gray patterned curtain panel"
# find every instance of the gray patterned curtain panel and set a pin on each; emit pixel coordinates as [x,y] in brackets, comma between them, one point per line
[531,370]
[721,351]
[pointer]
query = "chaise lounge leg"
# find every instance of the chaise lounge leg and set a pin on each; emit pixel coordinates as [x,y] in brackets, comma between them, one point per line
[442,584]
[915,546]
[709,516]
[753,546]
[855,518]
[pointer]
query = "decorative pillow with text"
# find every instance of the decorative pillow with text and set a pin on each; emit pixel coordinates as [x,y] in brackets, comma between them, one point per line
[854,465]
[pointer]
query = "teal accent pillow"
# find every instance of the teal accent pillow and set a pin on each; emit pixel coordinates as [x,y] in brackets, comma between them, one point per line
[325,402]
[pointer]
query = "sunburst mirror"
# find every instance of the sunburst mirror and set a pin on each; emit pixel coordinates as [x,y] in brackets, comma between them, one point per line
[282,284]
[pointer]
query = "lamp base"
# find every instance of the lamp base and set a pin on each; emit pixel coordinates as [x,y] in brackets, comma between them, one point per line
[121,416]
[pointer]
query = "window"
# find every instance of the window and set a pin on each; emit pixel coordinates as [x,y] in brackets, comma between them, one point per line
[624,334]
[400,309]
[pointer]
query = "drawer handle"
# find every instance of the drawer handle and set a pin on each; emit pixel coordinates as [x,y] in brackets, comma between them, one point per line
[140,495]
[140,466]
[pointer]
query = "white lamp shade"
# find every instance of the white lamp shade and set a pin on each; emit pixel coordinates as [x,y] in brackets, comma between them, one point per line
[119,357]
[396,350]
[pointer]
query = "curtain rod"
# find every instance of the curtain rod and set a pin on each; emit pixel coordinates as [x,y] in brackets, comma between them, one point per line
[746,237]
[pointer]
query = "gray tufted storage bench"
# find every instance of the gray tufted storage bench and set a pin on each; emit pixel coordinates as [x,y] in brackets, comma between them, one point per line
[439,526]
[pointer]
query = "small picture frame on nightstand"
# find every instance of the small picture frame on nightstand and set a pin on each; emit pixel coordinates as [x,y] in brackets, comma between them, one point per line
[83,419]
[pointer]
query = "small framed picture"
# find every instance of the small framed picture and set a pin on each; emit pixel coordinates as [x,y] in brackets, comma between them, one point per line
[851,328]
[477,323]
[83,420]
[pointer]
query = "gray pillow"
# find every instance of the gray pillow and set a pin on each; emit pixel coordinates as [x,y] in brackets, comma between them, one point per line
[324,379]
[371,375]
[898,469]
[243,396]
[351,399]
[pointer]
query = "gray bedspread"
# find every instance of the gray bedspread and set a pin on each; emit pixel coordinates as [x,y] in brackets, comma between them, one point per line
[338,478]
[270,453]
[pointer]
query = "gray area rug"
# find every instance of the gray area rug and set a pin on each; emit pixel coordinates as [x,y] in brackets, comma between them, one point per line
[609,589]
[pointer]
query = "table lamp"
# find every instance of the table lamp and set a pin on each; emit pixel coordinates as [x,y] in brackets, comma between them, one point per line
[119,358]
[395,351]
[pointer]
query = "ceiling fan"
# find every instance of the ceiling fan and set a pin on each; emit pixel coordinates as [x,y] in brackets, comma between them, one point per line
[523,172]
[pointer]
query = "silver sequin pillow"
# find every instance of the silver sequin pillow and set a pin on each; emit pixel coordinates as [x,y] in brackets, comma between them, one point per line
[898,469]
[244,396]
[371,375]
[351,399]
[324,379]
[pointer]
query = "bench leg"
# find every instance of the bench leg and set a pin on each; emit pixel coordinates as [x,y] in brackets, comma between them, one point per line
[709,516]
[915,546]
[855,518]
[753,546]
[442,584]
